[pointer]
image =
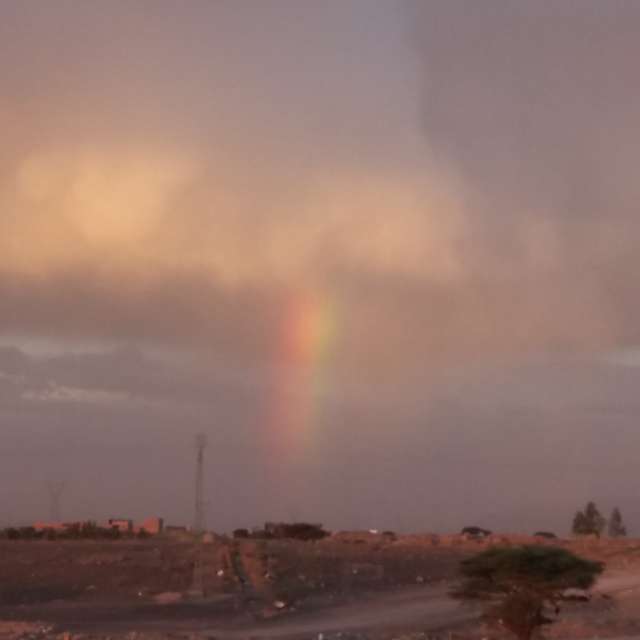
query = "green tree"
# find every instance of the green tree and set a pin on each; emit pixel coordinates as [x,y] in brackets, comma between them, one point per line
[589,521]
[520,584]
[580,525]
[616,526]
[595,519]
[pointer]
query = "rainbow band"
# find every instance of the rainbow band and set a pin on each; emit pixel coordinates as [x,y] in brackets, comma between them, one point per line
[307,337]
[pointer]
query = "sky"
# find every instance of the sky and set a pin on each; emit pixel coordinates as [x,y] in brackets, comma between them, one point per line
[381,252]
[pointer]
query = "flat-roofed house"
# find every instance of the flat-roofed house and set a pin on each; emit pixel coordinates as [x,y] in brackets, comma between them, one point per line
[124,525]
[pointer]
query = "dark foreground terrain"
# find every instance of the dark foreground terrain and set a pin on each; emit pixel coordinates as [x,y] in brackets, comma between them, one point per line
[356,585]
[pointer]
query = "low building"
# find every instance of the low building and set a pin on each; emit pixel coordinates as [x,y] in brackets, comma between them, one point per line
[152,526]
[54,526]
[123,525]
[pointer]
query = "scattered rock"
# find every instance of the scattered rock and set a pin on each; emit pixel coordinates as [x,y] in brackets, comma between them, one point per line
[168,597]
[576,594]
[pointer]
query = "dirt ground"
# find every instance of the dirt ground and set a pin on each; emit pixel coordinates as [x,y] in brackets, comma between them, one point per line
[345,587]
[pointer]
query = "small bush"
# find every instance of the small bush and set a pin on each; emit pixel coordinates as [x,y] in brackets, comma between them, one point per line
[285,530]
[296,530]
[520,584]
[73,531]
[476,532]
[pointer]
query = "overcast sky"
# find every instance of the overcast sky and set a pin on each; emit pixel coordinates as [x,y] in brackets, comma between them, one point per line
[382,252]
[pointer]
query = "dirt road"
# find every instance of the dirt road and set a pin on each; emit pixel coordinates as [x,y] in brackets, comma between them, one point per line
[424,608]
[427,608]
[617,582]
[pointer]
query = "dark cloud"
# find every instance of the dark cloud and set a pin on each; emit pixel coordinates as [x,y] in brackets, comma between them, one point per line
[321,234]
[534,102]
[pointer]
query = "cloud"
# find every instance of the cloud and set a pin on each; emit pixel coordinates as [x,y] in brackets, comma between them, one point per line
[57,393]
[156,210]
[110,377]
[409,225]
[492,219]
[627,357]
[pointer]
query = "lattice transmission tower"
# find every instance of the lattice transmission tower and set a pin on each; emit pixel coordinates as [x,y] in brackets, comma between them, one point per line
[199,521]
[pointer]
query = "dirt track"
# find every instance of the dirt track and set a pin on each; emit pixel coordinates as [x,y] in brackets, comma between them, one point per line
[429,609]
[382,615]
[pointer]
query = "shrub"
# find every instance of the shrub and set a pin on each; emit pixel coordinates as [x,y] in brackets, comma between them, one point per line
[520,583]
[476,532]
[295,530]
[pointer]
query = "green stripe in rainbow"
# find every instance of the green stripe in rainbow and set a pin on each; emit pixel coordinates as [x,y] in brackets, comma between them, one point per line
[307,336]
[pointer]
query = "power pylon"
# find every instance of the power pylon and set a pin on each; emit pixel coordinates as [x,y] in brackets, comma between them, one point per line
[199,522]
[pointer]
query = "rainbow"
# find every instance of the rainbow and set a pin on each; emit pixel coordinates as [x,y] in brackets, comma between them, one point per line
[306,341]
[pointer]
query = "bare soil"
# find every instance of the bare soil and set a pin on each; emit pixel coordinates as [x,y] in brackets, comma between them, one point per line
[344,587]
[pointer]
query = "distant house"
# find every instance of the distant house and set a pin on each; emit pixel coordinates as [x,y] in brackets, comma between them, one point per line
[123,525]
[53,526]
[153,526]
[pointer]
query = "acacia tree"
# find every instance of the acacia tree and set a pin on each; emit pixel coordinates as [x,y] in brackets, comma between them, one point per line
[520,584]
[616,526]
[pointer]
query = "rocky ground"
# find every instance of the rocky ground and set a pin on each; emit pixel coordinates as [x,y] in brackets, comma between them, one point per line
[348,586]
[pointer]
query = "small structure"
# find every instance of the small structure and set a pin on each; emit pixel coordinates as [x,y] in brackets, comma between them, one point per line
[123,525]
[53,526]
[152,526]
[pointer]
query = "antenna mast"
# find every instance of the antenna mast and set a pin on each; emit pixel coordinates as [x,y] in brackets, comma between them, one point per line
[199,516]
